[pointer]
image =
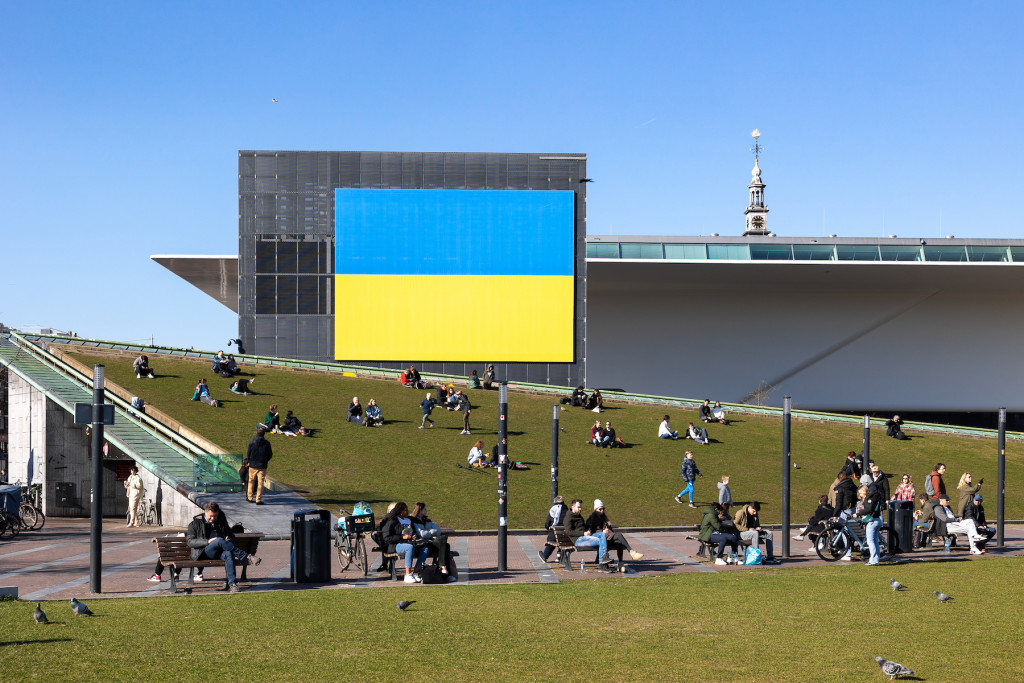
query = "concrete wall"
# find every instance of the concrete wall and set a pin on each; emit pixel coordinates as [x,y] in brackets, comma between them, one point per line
[26,431]
[833,335]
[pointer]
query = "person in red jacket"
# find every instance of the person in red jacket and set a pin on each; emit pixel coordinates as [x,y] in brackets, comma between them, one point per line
[938,487]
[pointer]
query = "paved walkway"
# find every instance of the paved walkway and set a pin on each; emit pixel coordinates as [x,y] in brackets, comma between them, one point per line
[53,564]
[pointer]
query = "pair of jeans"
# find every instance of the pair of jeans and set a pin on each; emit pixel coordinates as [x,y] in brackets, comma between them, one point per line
[599,540]
[408,549]
[723,540]
[688,489]
[874,538]
[669,435]
[223,549]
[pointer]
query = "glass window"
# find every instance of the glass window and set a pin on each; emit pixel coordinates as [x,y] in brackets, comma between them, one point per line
[902,253]
[854,252]
[308,258]
[266,289]
[945,254]
[309,300]
[988,253]
[286,293]
[686,251]
[602,250]
[771,252]
[814,252]
[265,251]
[642,250]
[1017,254]
[729,252]
[286,261]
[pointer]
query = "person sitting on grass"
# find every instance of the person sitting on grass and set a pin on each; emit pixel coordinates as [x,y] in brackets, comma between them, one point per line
[142,369]
[704,411]
[748,522]
[202,393]
[398,533]
[474,380]
[816,522]
[437,542]
[489,378]
[355,411]
[718,412]
[451,401]
[698,434]
[596,434]
[894,428]
[292,426]
[611,439]
[598,522]
[220,364]
[477,458]
[231,365]
[372,418]
[413,379]
[271,421]
[581,537]
[596,402]
[665,432]
[712,531]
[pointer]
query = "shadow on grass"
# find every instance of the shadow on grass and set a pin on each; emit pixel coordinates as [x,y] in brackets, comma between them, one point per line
[36,642]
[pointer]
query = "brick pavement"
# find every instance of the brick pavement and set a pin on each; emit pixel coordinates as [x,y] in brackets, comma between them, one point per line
[54,564]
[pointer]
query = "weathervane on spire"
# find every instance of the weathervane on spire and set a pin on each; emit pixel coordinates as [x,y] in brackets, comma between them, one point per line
[757,148]
[757,212]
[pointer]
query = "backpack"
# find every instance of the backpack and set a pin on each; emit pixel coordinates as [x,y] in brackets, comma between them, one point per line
[928,487]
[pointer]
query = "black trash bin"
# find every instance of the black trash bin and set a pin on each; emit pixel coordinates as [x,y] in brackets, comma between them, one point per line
[311,546]
[901,519]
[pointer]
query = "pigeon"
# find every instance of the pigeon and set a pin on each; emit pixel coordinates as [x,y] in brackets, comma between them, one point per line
[403,604]
[893,669]
[79,608]
[942,596]
[39,615]
[896,585]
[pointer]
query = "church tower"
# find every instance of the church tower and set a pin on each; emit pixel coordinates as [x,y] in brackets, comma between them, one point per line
[756,213]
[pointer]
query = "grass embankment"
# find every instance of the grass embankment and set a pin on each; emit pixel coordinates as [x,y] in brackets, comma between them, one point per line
[344,463]
[814,624]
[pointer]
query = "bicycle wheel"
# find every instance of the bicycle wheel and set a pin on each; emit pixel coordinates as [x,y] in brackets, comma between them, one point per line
[40,519]
[150,514]
[12,523]
[344,551]
[28,515]
[832,545]
[360,557]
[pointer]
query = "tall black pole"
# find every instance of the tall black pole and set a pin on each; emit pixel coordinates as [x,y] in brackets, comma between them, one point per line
[96,503]
[867,446]
[554,453]
[1001,478]
[502,475]
[787,404]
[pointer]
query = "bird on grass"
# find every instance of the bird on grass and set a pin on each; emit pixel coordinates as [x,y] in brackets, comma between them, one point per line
[893,669]
[79,608]
[942,596]
[896,585]
[403,604]
[39,615]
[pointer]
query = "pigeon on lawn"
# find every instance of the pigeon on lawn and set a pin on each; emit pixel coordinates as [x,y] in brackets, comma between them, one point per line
[402,604]
[942,596]
[79,608]
[893,669]
[39,615]
[896,585]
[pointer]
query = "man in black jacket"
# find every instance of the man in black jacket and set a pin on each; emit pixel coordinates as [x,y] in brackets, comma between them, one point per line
[576,529]
[976,511]
[210,538]
[258,456]
[556,515]
[846,494]
[881,480]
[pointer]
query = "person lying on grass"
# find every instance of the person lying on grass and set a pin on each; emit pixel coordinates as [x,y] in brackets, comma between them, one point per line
[292,426]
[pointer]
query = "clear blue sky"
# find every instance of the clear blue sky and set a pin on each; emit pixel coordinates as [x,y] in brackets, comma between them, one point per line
[121,122]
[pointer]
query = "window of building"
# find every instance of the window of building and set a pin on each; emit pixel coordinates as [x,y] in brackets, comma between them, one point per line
[686,251]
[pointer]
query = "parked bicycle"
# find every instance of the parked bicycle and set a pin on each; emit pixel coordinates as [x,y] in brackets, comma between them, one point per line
[841,537]
[31,508]
[147,513]
[351,539]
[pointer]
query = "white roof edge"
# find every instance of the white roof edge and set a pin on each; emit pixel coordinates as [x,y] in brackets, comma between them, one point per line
[196,256]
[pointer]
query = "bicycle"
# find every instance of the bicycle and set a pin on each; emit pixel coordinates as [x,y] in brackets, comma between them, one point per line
[840,538]
[31,511]
[146,512]
[10,524]
[351,540]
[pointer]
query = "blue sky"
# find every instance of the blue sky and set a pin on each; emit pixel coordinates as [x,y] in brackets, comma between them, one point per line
[121,122]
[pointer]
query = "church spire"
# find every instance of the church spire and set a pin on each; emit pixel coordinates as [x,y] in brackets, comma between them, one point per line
[756,213]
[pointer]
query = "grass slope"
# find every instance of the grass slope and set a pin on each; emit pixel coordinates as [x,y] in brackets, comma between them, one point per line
[344,463]
[813,624]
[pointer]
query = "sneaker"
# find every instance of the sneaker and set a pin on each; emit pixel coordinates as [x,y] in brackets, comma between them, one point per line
[138,376]
[420,427]
[468,432]
[409,578]
[224,587]
[155,578]
[452,579]
[798,537]
[845,558]
[540,554]
[255,561]
[975,551]
[607,559]
[771,560]
[636,556]
[259,502]
[235,588]
[720,561]
[431,423]
[198,578]
[678,499]
[177,577]
[692,505]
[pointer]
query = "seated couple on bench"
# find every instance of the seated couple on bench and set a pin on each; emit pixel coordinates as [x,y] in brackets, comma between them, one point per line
[414,536]
[596,532]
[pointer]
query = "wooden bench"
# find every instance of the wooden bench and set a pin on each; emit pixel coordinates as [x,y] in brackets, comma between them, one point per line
[704,550]
[176,555]
[392,558]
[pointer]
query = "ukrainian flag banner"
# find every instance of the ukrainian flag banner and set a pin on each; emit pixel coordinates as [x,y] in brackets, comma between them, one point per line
[454,275]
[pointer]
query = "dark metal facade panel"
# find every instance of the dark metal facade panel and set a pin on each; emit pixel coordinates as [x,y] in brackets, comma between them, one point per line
[288,197]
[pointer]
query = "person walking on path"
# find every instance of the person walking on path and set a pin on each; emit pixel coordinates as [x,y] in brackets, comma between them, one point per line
[465,409]
[258,457]
[134,488]
[428,406]
[933,485]
[690,472]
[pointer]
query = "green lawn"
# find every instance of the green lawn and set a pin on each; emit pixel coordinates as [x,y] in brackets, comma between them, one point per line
[811,624]
[344,463]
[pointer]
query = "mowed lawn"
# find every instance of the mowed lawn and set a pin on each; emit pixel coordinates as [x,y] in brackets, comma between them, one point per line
[344,463]
[811,624]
